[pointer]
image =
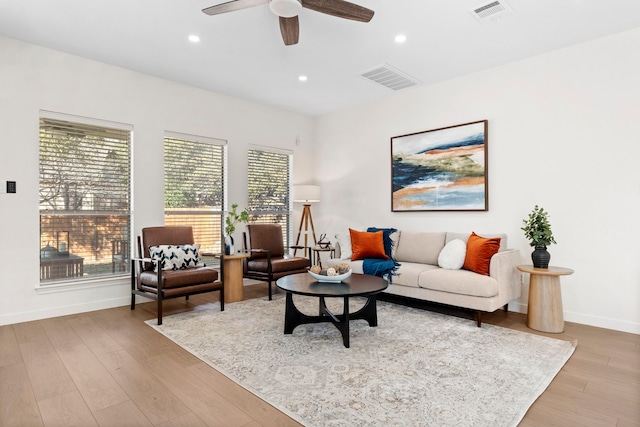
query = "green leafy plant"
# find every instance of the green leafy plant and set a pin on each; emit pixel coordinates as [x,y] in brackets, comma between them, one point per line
[233,218]
[537,228]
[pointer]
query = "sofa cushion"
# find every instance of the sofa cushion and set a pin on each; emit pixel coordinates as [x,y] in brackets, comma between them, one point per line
[420,247]
[479,253]
[409,272]
[367,245]
[461,282]
[395,238]
[356,266]
[388,241]
[465,236]
[452,255]
[344,243]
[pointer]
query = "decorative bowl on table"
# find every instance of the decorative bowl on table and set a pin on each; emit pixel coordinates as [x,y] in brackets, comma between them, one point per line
[329,276]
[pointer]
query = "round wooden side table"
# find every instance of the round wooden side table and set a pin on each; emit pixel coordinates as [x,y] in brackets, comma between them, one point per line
[544,313]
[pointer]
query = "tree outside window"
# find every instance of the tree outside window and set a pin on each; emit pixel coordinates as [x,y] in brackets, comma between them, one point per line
[85,196]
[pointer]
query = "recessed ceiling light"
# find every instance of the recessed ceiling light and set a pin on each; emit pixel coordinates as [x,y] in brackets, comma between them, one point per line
[194,39]
[302,78]
[401,38]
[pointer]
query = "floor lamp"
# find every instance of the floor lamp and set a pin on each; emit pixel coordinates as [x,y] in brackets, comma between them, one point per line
[306,194]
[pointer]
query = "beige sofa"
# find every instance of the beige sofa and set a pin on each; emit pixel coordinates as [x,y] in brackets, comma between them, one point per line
[420,277]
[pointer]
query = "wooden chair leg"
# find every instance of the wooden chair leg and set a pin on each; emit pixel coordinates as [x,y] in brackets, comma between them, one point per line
[269,285]
[506,307]
[222,299]
[159,312]
[479,318]
[133,285]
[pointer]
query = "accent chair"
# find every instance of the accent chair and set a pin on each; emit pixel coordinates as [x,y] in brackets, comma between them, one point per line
[168,267]
[267,258]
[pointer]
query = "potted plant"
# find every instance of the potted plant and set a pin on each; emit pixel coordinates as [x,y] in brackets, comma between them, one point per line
[537,230]
[232,219]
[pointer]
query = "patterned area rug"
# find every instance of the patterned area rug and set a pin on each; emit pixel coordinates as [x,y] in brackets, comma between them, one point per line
[416,368]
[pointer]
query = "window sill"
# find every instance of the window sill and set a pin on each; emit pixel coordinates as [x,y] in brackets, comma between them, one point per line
[73,285]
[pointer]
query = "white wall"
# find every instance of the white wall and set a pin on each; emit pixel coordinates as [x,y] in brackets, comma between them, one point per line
[33,79]
[564,133]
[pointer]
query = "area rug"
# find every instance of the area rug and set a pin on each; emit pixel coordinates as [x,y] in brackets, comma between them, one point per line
[416,368]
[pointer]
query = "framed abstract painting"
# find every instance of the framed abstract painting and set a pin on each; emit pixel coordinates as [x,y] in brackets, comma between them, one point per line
[441,169]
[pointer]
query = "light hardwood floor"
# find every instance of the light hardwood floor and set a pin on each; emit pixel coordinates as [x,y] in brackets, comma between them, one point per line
[107,368]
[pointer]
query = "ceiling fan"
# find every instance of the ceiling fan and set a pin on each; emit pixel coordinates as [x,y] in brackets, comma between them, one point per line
[288,10]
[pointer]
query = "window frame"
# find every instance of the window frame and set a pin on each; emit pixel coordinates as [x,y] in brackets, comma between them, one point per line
[288,213]
[87,280]
[197,139]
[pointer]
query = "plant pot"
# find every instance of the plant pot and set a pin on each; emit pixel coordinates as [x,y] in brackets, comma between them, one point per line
[229,248]
[540,257]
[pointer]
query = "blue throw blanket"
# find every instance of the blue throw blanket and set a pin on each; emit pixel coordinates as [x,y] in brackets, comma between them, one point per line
[385,268]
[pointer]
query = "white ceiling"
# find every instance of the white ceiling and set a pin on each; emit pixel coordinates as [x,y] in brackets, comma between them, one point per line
[242,54]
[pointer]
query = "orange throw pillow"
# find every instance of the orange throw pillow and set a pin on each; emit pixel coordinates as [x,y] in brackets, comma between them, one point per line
[479,253]
[367,245]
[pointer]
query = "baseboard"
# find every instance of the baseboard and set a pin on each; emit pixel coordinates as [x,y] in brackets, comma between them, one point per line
[65,310]
[603,322]
[590,320]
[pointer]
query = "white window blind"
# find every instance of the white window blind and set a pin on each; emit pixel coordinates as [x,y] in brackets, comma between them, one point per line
[268,189]
[194,187]
[85,194]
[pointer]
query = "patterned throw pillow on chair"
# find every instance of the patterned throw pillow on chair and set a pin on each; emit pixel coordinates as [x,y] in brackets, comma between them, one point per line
[175,257]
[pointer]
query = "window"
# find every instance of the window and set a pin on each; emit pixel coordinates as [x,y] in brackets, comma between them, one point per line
[85,194]
[268,188]
[194,187]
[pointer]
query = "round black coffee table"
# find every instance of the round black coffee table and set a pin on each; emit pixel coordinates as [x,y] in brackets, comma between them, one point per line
[355,286]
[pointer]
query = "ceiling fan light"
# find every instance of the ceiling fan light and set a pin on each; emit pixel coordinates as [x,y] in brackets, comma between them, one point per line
[285,8]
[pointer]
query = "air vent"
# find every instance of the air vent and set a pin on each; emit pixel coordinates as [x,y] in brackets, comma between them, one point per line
[389,77]
[491,11]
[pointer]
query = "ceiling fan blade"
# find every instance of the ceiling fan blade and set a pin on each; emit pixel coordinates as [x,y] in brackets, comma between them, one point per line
[290,30]
[232,5]
[340,8]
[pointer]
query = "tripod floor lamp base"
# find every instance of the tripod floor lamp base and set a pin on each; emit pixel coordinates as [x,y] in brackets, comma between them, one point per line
[306,194]
[305,220]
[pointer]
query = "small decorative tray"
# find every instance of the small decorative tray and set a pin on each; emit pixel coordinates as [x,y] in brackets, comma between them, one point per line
[331,279]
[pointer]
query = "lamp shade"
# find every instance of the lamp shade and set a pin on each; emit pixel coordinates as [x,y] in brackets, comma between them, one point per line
[306,193]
